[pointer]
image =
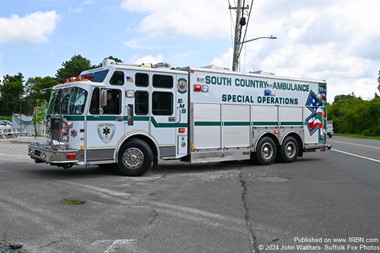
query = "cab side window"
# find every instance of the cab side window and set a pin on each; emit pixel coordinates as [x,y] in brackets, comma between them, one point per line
[94,106]
[113,102]
[162,103]
[117,78]
[162,81]
[142,79]
[141,102]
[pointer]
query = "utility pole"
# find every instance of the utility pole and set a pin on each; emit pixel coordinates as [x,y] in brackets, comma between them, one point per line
[240,22]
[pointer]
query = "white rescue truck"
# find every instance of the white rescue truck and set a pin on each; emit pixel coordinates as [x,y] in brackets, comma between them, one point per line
[195,115]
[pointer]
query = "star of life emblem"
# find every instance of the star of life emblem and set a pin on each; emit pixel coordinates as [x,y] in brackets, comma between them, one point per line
[106,131]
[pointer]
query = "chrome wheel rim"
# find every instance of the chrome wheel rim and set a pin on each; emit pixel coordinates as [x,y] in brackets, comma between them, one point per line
[133,158]
[267,151]
[290,149]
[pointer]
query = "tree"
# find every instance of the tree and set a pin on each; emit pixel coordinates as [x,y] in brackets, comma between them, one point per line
[109,57]
[12,92]
[73,67]
[355,115]
[378,80]
[38,89]
[39,114]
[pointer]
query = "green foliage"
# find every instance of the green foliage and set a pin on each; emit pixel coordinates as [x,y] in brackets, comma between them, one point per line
[355,116]
[109,57]
[71,202]
[38,89]
[11,93]
[5,117]
[39,114]
[73,67]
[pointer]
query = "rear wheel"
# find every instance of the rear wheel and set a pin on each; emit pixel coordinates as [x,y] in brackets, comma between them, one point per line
[289,150]
[266,151]
[135,158]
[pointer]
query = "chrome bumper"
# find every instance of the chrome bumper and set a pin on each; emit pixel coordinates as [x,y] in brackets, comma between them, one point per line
[44,153]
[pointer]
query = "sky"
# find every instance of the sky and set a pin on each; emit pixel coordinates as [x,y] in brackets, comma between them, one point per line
[337,41]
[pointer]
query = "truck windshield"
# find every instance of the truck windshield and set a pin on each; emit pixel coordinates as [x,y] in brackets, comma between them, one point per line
[69,100]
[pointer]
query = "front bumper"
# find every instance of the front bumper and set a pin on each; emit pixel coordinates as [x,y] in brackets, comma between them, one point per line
[44,153]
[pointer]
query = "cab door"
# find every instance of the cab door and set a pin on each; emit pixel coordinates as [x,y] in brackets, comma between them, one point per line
[105,125]
[163,113]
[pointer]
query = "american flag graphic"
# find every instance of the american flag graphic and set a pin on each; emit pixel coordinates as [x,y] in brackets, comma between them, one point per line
[129,79]
[316,120]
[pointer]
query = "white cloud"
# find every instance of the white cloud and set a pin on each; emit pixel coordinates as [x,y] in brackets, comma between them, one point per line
[33,28]
[195,19]
[224,61]
[336,40]
[149,59]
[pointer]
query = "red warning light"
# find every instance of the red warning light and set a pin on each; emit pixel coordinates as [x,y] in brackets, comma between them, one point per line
[197,88]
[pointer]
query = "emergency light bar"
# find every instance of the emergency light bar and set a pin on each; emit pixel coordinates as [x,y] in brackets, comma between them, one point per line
[78,78]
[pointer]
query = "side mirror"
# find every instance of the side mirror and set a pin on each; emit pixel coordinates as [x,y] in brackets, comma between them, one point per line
[103,98]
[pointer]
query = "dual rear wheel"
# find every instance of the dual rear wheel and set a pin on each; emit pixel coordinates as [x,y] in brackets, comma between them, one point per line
[267,151]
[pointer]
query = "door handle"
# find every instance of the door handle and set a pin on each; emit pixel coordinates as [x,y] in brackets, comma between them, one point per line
[179,115]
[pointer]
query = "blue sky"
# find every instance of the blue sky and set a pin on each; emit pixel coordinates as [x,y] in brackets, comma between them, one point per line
[337,41]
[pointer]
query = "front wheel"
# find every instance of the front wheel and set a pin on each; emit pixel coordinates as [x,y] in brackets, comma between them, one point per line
[135,158]
[289,150]
[266,151]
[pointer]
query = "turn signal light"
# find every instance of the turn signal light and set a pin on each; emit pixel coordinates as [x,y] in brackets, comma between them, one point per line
[181,130]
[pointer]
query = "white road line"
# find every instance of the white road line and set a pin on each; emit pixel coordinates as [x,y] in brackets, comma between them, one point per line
[355,155]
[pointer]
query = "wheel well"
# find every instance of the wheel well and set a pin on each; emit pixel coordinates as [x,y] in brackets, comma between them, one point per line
[299,141]
[147,140]
[273,137]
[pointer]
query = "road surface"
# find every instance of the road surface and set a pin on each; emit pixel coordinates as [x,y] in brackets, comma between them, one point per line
[320,203]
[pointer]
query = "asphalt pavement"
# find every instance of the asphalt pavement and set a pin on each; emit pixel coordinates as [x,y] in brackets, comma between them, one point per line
[320,203]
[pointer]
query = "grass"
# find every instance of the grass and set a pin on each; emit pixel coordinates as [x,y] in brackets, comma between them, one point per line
[71,202]
[5,117]
[359,136]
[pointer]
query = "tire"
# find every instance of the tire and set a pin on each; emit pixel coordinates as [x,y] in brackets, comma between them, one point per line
[266,151]
[289,150]
[135,158]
